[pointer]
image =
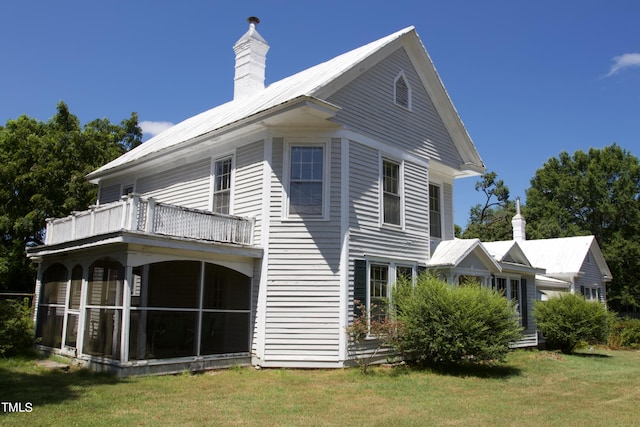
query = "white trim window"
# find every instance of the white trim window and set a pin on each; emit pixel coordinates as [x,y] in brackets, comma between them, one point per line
[127,189]
[306,173]
[392,204]
[510,288]
[435,211]
[222,178]
[590,293]
[402,91]
[381,277]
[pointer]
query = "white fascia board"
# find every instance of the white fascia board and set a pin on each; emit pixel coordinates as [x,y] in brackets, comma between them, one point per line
[250,124]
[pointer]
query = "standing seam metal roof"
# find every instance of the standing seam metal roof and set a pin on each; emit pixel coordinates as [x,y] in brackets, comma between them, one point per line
[306,82]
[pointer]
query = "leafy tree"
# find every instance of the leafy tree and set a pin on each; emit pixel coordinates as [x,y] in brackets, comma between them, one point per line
[491,221]
[42,175]
[598,193]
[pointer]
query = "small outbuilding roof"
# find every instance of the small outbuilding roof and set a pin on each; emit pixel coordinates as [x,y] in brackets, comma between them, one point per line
[564,255]
[450,253]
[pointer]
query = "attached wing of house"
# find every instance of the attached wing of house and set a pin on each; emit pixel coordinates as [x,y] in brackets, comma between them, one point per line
[573,263]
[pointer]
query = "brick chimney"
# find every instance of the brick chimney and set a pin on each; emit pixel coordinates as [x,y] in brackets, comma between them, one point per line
[251,57]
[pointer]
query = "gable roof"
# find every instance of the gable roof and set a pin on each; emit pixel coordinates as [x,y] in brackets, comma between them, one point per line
[312,84]
[450,253]
[507,251]
[564,255]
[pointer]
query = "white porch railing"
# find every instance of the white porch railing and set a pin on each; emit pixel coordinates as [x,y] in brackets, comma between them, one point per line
[134,213]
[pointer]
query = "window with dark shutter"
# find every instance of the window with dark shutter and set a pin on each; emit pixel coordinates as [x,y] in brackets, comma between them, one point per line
[523,304]
[359,285]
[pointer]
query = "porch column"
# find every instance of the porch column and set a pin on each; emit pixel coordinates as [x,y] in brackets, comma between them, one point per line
[65,312]
[82,317]
[126,308]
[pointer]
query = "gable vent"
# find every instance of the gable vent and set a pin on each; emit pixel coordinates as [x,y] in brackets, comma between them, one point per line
[402,91]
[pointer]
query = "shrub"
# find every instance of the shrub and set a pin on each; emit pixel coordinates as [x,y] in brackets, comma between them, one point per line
[569,320]
[449,324]
[625,333]
[370,333]
[16,328]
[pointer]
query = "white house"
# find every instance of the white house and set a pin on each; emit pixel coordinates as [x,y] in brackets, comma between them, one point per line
[244,234]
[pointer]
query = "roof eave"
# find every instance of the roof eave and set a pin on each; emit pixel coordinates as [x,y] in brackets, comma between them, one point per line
[317,107]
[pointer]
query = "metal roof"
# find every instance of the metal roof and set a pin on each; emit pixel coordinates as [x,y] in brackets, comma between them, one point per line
[564,255]
[306,82]
[319,82]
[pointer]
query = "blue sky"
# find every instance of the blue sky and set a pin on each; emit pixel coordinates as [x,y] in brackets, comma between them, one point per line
[529,79]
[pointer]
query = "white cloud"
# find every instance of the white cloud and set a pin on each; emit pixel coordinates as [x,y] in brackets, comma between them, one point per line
[624,61]
[154,128]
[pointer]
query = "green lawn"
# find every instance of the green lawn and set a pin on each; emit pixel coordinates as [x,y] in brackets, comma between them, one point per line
[533,388]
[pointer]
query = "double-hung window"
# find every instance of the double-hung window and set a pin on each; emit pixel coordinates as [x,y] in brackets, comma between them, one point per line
[435,212]
[222,185]
[378,291]
[391,198]
[307,180]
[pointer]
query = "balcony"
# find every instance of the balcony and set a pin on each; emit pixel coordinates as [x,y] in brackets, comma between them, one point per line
[133,213]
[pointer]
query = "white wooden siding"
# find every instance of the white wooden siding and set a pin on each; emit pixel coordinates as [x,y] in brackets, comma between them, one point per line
[109,193]
[366,234]
[448,227]
[248,185]
[187,185]
[368,106]
[591,277]
[303,288]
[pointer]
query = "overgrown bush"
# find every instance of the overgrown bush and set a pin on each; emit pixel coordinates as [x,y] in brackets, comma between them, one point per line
[569,320]
[16,328]
[453,324]
[368,334]
[625,333]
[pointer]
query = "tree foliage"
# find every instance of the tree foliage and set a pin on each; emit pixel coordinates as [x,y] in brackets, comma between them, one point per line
[42,175]
[491,221]
[598,193]
[16,328]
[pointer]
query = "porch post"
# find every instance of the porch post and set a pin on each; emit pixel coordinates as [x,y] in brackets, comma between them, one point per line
[126,308]
[82,317]
[65,312]
[151,209]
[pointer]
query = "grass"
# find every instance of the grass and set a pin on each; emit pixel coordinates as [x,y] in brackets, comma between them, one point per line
[533,388]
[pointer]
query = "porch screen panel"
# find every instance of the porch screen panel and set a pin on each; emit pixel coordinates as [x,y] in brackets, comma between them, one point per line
[103,316]
[52,303]
[226,311]
[168,311]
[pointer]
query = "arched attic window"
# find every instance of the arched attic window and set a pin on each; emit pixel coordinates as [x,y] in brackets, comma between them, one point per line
[402,91]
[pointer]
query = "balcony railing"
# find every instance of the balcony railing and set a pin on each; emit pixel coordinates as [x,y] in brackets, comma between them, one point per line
[134,213]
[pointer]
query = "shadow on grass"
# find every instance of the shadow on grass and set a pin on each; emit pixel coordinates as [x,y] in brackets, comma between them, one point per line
[475,370]
[22,381]
[462,370]
[594,355]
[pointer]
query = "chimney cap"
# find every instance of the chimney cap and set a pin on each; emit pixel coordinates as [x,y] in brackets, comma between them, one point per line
[253,20]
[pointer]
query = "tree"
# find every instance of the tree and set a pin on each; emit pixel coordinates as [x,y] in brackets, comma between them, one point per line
[42,175]
[491,221]
[596,193]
